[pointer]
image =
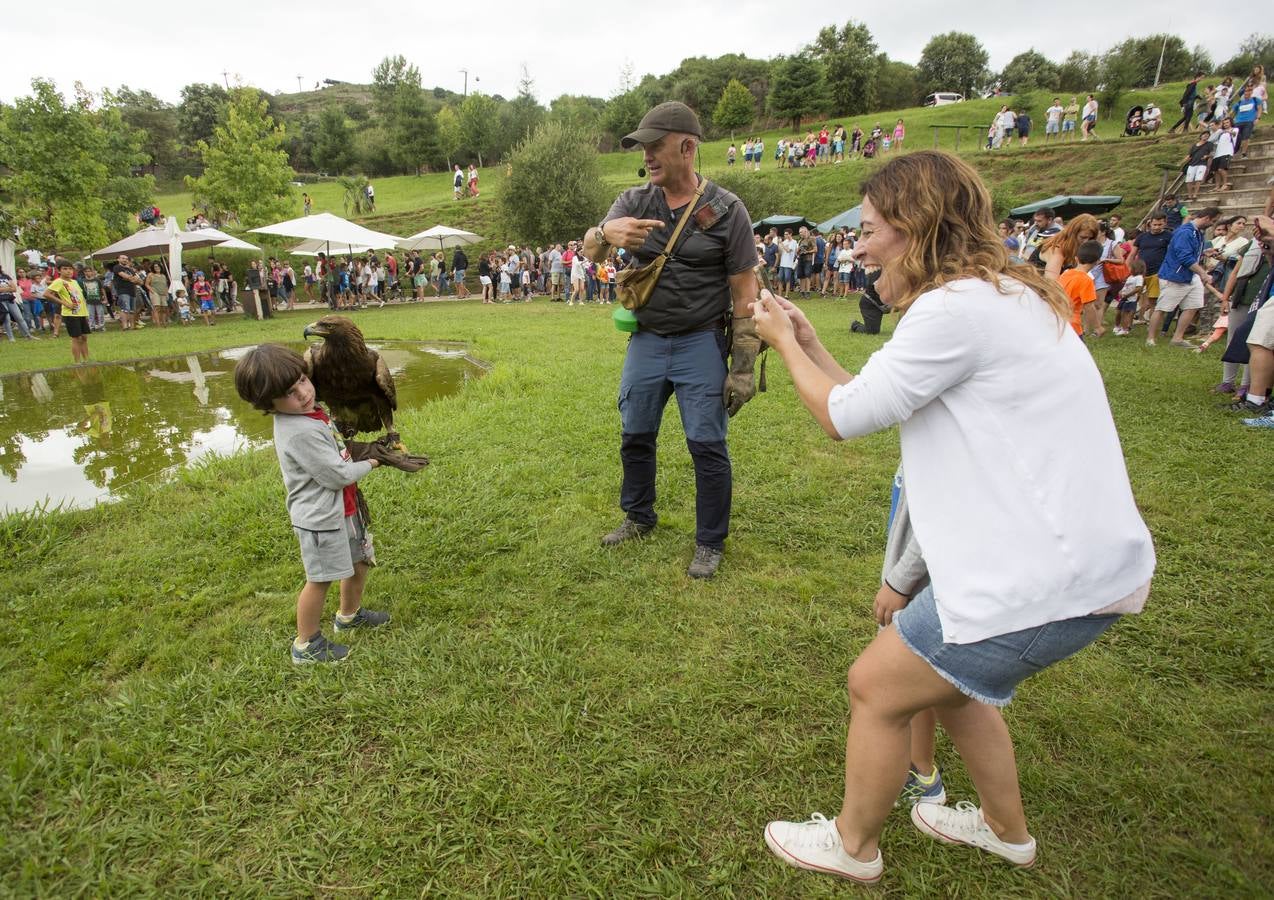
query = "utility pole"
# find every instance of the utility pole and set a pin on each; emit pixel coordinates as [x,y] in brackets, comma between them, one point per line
[298,84]
[1162,50]
[226,76]
[476,79]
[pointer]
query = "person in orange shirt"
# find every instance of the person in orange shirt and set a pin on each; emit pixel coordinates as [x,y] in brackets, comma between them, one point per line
[1078,283]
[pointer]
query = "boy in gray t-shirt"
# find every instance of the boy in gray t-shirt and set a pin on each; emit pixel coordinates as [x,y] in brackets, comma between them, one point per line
[322,498]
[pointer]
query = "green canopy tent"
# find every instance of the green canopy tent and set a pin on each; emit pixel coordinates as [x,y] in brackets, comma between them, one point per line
[1067,205]
[781,222]
[850,218]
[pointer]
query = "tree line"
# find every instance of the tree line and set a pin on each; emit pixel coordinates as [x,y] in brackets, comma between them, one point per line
[79,191]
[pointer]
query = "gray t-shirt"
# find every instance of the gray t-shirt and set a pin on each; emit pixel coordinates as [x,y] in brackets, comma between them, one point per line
[693,291]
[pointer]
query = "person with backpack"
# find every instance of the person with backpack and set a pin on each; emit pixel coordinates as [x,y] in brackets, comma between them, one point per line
[691,316]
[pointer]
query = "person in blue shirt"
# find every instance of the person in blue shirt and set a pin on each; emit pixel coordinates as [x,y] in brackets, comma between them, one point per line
[1246,113]
[1182,278]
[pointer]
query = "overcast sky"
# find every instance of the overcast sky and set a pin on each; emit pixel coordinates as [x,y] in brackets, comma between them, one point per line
[575,48]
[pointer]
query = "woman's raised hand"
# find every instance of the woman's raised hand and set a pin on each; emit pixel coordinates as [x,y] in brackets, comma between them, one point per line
[777,317]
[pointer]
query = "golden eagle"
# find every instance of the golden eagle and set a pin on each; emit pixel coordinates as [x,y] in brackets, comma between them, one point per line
[351,380]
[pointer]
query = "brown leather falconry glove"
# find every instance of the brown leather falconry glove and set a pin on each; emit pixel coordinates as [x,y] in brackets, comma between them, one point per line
[740,384]
[360,450]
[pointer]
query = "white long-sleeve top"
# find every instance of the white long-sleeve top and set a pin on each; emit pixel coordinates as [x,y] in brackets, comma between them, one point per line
[1016,480]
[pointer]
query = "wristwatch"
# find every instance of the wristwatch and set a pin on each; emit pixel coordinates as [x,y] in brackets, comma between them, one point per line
[601,234]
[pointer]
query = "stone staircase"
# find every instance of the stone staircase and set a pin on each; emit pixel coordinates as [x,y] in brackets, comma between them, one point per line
[1249,190]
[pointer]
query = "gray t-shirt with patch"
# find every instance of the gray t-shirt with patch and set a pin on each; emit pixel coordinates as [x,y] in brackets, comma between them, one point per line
[693,292]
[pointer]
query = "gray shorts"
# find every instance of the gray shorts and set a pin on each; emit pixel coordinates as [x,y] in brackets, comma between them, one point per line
[330,555]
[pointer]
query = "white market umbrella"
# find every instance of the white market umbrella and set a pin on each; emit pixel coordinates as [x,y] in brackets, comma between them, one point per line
[228,241]
[330,230]
[439,237]
[314,248]
[153,240]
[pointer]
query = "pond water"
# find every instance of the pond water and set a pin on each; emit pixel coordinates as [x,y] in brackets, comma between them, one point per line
[82,435]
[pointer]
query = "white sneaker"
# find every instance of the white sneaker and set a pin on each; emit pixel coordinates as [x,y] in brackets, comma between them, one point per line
[963,824]
[816,845]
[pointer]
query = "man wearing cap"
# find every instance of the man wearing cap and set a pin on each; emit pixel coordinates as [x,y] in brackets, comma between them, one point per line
[680,347]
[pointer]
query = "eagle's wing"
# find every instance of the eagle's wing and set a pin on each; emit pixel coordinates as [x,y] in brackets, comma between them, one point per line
[385,380]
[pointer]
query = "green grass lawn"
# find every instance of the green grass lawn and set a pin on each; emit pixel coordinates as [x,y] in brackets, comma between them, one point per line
[545,718]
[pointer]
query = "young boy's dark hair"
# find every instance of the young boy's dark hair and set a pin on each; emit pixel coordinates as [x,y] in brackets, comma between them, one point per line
[1089,252]
[267,373]
[1137,266]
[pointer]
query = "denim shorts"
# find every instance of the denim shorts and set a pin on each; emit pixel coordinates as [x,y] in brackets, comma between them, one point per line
[124,302]
[989,670]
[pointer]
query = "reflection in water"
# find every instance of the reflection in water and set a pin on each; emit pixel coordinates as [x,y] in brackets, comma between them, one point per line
[79,436]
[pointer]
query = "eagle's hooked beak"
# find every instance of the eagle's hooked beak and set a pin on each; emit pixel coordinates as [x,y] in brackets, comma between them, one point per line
[314,328]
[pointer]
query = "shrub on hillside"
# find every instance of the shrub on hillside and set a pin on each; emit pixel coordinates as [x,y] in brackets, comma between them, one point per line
[761,195]
[553,190]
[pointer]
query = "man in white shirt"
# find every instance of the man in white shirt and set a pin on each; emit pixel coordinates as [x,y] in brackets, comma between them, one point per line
[1151,119]
[1116,230]
[787,261]
[1053,120]
[1090,119]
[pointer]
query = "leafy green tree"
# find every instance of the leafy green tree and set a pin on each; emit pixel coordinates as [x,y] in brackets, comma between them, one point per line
[333,147]
[849,55]
[391,72]
[578,112]
[797,88]
[479,125]
[624,112]
[246,170]
[145,112]
[122,150]
[1256,48]
[1200,60]
[699,80]
[736,109]
[555,187]
[897,84]
[374,151]
[1079,72]
[1029,71]
[450,135]
[523,113]
[954,61]
[1137,59]
[201,109]
[67,170]
[412,132]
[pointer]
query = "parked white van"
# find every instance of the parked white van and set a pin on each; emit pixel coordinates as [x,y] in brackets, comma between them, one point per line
[942,98]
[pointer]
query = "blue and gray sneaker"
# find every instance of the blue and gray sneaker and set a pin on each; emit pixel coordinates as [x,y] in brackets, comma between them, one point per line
[364,618]
[922,788]
[1262,422]
[318,650]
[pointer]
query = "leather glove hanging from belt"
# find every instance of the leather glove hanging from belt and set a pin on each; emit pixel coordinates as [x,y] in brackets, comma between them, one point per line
[740,384]
[377,450]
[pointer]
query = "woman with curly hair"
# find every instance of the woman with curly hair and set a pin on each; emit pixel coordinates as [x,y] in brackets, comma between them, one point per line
[1032,551]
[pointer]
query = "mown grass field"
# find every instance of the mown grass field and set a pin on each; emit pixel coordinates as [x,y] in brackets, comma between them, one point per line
[407,204]
[545,718]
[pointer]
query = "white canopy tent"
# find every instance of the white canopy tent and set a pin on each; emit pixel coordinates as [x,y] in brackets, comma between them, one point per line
[440,237]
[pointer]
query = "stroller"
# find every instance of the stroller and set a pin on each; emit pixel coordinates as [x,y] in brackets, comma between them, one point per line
[1132,122]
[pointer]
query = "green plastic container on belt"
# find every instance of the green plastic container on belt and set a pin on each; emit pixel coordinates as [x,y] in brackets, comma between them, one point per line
[624,320]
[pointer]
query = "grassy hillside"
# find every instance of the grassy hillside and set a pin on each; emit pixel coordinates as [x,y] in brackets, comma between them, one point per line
[1113,165]
[544,718]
